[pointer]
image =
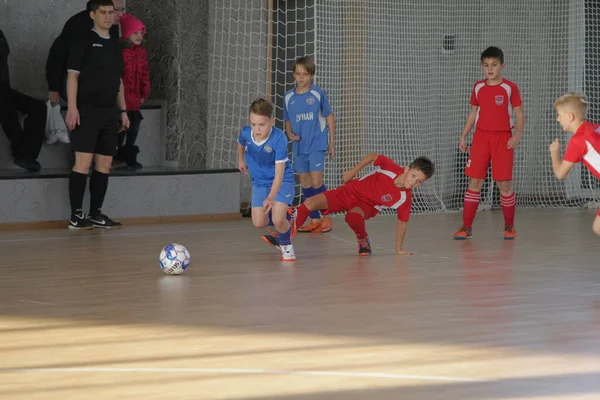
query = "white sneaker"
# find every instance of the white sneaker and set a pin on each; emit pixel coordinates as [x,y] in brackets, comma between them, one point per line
[287,253]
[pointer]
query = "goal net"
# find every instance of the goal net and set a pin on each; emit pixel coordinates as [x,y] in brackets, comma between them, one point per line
[399,76]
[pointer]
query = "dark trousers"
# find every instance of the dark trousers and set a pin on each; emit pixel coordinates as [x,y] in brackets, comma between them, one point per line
[26,141]
[129,136]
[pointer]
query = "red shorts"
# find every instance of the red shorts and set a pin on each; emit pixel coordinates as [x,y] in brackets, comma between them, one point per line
[343,198]
[490,147]
[598,213]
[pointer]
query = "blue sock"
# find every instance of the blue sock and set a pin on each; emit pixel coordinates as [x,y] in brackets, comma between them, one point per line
[284,238]
[310,192]
[270,219]
[306,193]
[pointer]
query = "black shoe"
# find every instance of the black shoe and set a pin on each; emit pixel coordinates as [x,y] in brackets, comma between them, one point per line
[28,164]
[120,156]
[102,221]
[272,241]
[131,153]
[364,247]
[80,222]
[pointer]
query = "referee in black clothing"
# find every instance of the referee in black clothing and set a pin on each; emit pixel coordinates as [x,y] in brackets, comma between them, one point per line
[78,24]
[96,104]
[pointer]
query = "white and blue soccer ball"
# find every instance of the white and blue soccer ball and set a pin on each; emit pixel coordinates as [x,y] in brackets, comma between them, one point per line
[174,259]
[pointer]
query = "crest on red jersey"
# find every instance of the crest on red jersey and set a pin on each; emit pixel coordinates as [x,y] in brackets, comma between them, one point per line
[499,100]
[386,198]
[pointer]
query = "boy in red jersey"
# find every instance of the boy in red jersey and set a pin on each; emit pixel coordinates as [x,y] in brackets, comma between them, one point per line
[388,186]
[584,145]
[492,102]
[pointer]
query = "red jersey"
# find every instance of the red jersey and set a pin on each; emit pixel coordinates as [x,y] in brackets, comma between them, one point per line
[584,147]
[495,104]
[378,189]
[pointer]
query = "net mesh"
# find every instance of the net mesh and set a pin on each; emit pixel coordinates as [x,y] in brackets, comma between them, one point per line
[399,77]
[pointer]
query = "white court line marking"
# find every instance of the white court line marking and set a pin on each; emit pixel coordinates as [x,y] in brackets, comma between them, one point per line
[39,302]
[111,235]
[377,375]
[394,251]
[339,239]
[151,233]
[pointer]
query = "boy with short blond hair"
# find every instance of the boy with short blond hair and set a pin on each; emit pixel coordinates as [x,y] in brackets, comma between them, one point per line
[262,151]
[584,145]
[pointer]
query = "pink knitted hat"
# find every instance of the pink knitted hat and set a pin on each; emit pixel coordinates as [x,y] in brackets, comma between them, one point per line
[130,25]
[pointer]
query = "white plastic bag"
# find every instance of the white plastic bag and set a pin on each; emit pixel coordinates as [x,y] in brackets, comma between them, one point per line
[60,128]
[56,129]
[50,136]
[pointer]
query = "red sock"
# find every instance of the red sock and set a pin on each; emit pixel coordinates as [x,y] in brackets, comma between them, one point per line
[471,204]
[509,207]
[302,214]
[357,224]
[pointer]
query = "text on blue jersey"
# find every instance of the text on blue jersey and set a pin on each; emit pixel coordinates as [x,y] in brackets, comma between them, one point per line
[307,114]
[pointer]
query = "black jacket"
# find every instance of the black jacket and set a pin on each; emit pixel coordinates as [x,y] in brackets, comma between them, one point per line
[56,68]
[4,52]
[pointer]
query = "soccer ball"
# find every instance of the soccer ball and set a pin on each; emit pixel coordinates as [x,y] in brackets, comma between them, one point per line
[174,259]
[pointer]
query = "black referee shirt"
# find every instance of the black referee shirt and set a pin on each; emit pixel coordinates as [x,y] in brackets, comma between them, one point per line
[100,65]
[59,51]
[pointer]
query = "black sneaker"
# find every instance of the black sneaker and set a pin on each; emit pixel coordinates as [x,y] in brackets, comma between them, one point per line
[102,221]
[131,153]
[80,222]
[364,247]
[272,241]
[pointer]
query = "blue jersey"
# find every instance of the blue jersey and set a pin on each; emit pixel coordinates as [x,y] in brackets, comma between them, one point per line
[261,157]
[306,113]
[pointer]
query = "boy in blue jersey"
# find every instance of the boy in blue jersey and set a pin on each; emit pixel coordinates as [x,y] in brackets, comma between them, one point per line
[262,151]
[310,125]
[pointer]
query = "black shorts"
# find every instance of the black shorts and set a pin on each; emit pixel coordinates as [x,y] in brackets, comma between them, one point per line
[98,131]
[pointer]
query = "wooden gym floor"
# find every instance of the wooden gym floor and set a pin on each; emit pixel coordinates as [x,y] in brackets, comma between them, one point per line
[89,315]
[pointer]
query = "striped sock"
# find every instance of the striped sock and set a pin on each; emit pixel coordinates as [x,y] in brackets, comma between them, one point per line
[470,208]
[509,208]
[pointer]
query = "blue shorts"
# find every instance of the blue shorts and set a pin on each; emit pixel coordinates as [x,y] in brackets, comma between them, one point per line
[305,163]
[285,194]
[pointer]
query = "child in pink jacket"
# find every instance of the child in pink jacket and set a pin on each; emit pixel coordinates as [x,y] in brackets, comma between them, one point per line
[137,85]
